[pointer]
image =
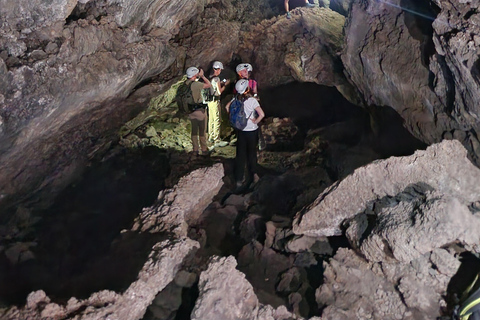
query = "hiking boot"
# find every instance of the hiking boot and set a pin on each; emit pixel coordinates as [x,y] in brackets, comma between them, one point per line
[239,188]
[309,5]
[206,153]
[220,144]
[289,16]
[193,154]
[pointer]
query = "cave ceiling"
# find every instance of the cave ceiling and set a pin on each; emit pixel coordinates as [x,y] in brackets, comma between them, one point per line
[72,72]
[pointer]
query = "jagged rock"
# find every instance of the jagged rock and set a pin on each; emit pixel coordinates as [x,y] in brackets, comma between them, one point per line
[251,227]
[397,58]
[442,166]
[158,271]
[356,289]
[262,266]
[290,281]
[224,293]
[412,228]
[20,252]
[185,279]
[341,6]
[182,205]
[167,302]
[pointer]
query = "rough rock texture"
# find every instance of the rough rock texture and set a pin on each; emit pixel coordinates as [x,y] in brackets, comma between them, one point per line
[72,75]
[341,6]
[158,271]
[416,226]
[183,204]
[428,75]
[305,48]
[357,289]
[442,166]
[226,294]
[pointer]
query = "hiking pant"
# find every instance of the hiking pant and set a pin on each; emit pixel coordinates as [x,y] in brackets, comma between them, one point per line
[198,120]
[246,155]
[214,120]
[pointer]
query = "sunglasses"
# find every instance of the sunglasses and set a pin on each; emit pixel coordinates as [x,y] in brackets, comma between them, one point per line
[216,68]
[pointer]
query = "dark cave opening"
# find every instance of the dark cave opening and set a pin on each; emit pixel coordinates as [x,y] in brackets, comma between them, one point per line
[74,254]
[73,250]
[312,106]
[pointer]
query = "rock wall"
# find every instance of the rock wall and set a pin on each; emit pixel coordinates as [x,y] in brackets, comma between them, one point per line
[418,57]
[72,73]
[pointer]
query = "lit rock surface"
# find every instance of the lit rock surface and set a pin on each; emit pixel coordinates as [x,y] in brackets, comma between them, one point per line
[183,204]
[444,166]
[357,289]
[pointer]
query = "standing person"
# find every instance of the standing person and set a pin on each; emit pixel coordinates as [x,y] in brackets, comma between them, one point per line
[197,115]
[246,149]
[244,71]
[287,9]
[214,111]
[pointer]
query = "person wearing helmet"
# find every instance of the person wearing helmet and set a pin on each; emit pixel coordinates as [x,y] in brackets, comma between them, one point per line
[198,117]
[246,148]
[244,71]
[285,3]
[214,111]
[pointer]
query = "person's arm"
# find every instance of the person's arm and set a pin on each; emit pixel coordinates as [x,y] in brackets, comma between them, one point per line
[260,113]
[219,87]
[227,107]
[206,82]
[223,85]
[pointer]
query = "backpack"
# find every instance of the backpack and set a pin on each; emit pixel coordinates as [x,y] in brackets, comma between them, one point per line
[469,308]
[238,117]
[184,97]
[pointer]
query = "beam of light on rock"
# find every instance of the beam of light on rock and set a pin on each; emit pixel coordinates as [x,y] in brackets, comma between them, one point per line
[414,12]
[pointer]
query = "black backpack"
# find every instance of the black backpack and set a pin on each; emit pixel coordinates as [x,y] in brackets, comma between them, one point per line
[469,307]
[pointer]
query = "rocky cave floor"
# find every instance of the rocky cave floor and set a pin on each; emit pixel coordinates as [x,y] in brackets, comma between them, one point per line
[80,248]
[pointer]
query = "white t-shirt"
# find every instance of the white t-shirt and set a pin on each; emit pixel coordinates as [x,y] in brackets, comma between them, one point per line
[249,106]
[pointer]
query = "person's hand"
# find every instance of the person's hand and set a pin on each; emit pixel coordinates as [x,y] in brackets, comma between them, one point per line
[200,73]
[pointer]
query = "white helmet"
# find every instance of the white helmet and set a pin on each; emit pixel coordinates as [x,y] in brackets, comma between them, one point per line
[217,65]
[242,66]
[192,71]
[241,86]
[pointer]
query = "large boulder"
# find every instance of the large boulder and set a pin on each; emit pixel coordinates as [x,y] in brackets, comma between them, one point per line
[444,167]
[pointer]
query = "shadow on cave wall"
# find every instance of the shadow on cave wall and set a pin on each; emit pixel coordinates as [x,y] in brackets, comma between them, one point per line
[312,107]
[74,255]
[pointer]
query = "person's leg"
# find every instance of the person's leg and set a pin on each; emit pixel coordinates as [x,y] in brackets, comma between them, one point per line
[285,4]
[210,121]
[240,157]
[194,134]
[202,127]
[252,138]
[213,121]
